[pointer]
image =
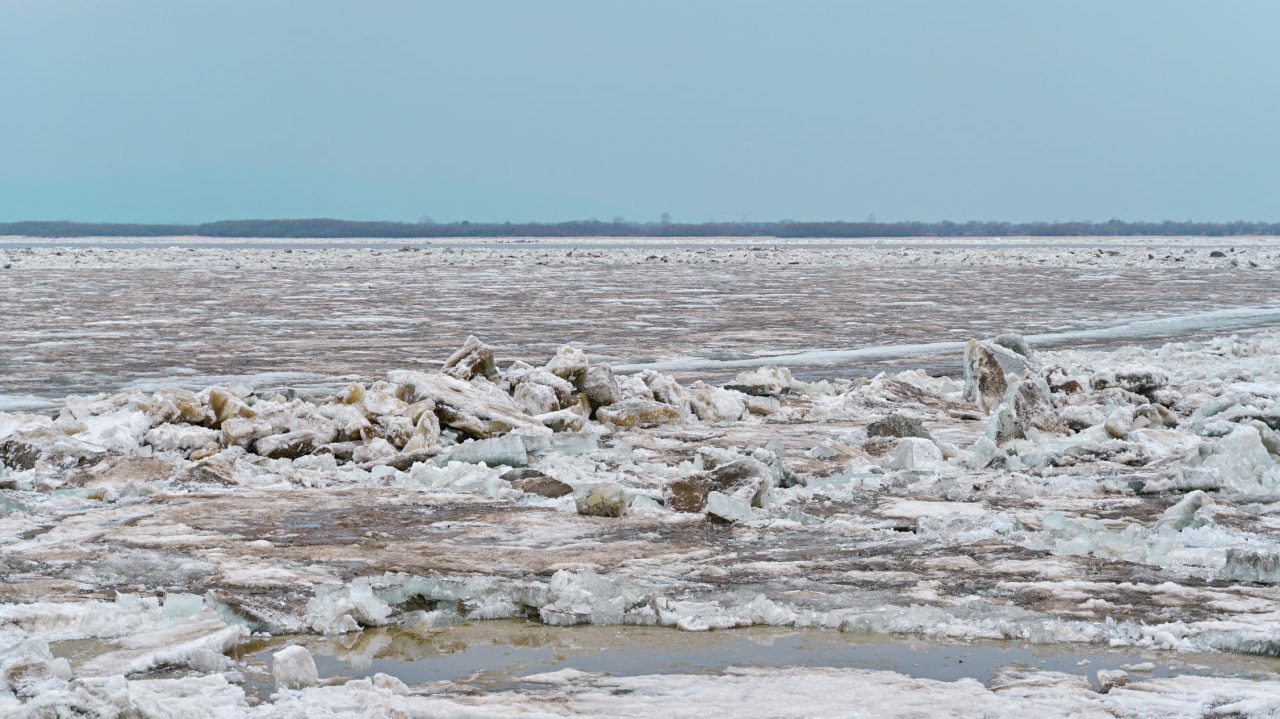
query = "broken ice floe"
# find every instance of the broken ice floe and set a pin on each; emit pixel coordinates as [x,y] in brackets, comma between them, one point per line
[1125,497]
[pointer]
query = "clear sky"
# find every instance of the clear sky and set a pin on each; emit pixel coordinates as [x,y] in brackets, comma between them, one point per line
[164,111]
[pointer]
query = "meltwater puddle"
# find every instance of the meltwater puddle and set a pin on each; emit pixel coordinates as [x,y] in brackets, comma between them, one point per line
[496,655]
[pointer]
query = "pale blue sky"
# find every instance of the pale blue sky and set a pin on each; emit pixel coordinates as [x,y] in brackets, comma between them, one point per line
[168,111]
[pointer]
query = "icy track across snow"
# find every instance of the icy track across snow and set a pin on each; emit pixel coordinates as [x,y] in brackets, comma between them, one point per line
[158,541]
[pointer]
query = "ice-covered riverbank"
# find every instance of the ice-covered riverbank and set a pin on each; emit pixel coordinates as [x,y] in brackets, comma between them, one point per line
[1119,498]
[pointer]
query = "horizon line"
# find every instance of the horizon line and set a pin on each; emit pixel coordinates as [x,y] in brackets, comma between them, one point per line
[322,227]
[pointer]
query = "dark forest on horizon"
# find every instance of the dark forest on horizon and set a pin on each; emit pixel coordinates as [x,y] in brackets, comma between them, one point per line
[330,228]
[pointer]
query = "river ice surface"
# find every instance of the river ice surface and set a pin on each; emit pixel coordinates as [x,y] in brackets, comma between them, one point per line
[1093,530]
[90,317]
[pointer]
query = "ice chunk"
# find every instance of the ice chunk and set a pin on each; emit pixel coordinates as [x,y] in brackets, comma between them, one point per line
[479,409]
[727,508]
[897,425]
[143,566]
[640,413]
[632,387]
[259,613]
[601,500]
[120,431]
[562,390]
[214,470]
[426,431]
[1013,354]
[1251,564]
[23,449]
[375,450]
[1061,381]
[342,609]
[713,404]
[198,642]
[984,378]
[1108,678]
[381,400]
[762,610]
[1091,537]
[1270,437]
[290,444]
[763,406]
[29,677]
[702,616]
[1241,461]
[472,359]
[536,399]
[987,365]
[600,386]
[1027,404]
[531,481]
[1119,422]
[1014,343]
[645,504]
[767,381]
[86,698]
[1183,514]
[1156,414]
[1137,379]
[183,606]
[243,431]
[116,472]
[565,420]
[391,684]
[687,494]
[459,477]
[294,668]
[536,439]
[983,453]
[225,405]
[200,697]
[588,598]
[181,437]
[507,450]
[353,394]
[665,388]
[912,453]
[396,429]
[745,478]
[570,364]
[575,442]
[961,528]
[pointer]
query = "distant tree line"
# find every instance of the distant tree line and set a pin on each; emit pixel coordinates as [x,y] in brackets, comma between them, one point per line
[321,228]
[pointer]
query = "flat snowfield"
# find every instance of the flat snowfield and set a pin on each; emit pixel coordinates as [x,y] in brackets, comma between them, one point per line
[999,478]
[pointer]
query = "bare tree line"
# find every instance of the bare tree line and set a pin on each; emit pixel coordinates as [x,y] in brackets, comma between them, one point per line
[320,227]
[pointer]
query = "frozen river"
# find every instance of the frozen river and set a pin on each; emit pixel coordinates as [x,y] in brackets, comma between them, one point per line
[332,520]
[90,317]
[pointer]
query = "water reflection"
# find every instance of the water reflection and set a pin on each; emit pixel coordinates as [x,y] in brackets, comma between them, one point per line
[496,655]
